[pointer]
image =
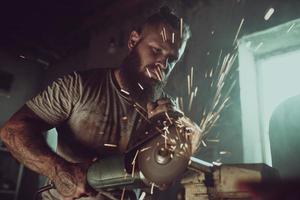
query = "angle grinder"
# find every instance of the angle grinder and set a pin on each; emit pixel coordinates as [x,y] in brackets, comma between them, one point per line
[159,155]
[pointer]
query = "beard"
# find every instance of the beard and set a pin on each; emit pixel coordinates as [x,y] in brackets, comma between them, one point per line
[133,74]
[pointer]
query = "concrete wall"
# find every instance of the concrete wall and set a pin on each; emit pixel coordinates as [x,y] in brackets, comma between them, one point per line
[27,81]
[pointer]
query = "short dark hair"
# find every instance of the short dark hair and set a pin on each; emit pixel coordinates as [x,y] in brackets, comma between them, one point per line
[167,16]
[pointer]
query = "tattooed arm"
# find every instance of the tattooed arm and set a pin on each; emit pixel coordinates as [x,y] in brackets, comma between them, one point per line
[22,135]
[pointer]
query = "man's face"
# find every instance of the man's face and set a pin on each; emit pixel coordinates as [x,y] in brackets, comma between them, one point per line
[158,49]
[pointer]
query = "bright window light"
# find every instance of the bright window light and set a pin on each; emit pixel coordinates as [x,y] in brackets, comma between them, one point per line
[269,73]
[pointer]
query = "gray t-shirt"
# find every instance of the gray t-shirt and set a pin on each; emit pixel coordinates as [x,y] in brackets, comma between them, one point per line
[90,113]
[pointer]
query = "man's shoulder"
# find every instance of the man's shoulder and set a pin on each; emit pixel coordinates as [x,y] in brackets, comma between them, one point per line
[96,72]
[93,75]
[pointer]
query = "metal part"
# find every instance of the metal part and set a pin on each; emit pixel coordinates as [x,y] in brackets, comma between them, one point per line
[111,173]
[222,182]
[162,164]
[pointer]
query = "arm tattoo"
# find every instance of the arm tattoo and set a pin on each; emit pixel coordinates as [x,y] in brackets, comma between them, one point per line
[22,135]
[19,152]
[66,184]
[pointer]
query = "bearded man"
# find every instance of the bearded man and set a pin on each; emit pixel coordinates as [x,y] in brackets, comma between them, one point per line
[93,108]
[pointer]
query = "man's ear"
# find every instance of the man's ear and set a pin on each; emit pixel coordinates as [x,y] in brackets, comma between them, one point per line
[134,38]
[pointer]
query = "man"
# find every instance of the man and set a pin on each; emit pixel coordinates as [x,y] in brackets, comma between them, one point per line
[94,111]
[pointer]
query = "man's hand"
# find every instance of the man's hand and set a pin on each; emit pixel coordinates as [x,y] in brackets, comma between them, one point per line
[71,183]
[160,106]
[192,129]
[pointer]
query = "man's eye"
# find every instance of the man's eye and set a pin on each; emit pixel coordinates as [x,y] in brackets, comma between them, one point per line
[156,50]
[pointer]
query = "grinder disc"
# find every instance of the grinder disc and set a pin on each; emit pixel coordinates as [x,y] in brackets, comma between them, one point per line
[165,159]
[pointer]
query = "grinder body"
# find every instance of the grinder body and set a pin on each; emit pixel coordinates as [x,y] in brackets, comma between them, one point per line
[159,155]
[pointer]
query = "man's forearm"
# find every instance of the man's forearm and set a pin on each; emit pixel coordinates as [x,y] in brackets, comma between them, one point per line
[23,137]
[30,148]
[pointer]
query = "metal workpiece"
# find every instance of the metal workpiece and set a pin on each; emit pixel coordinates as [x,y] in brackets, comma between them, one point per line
[224,181]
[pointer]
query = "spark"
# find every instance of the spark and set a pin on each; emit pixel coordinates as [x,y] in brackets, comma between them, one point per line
[162,35]
[21,56]
[269,13]
[220,55]
[152,187]
[140,86]
[213,140]
[136,106]
[157,75]
[192,76]
[142,196]
[258,46]
[211,72]
[133,167]
[123,193]
[145,149]
[135,156]
[165,33]
[191,101]
[204,144]
[141,107]
[238,31]
[160,73]
[124,118]
[142,115]
[173,38]
[148,72]
[224,152]
[168,117]
[181,27]
[186,145]
[95,159]
[181,103]
[189,84]
[166,139]
[195,91]
[124,91]
[290,28]
[173,141]
[110,145]
[166,129]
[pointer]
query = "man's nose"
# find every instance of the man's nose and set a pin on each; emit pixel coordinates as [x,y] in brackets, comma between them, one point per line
[163,63]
